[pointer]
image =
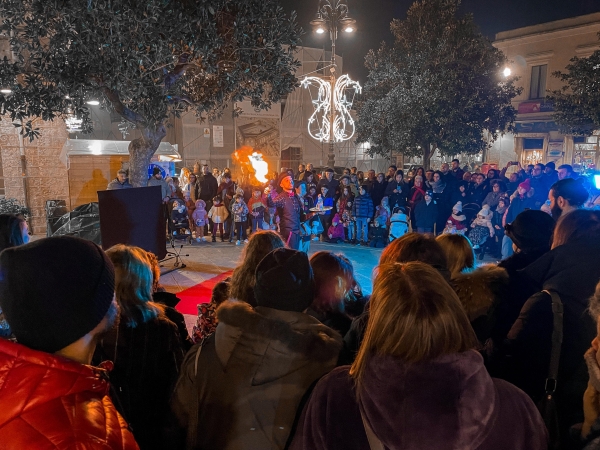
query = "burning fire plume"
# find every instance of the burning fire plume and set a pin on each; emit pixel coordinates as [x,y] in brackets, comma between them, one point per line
[252,162]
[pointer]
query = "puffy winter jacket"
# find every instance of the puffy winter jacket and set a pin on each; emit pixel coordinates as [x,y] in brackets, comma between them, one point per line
[50,402]
[363,207]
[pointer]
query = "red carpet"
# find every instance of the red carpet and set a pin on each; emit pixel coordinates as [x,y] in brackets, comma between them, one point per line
[200,293]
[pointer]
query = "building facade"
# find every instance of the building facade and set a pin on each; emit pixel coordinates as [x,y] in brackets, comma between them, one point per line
[534,54]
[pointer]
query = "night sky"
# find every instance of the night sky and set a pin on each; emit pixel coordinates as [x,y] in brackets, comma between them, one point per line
[374,16]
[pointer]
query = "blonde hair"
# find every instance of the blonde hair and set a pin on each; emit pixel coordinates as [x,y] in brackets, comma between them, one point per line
[414,316]
[133,284]
[459,253]
[259,245]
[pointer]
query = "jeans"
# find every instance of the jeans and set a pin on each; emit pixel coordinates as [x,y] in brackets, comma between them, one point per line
[256,224]
[239,229]
[362,229]
[507,249]
[351,230]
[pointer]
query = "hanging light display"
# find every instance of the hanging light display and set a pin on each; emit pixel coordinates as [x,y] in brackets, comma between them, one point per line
[331,116]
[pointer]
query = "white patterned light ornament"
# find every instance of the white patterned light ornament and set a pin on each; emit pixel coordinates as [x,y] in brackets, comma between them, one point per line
[73,124]
[319,123]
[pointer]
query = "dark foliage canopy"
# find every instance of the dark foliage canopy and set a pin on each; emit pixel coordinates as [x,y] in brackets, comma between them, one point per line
[440,85]
[577,103]
[144,60]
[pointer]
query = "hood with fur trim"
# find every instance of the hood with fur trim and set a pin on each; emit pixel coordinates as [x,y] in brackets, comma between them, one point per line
[200,204]
[479,289]
[276,342]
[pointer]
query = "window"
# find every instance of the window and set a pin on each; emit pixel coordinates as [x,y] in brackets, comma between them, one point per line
[538,82]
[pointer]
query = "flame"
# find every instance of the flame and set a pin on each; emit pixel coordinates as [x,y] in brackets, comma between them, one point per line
[253,161]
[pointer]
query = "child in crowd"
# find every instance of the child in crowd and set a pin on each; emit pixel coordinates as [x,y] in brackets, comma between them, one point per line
[218,214]
[398,224]
[312,192]
[191,206]
[206,323]
[383,210]
[481,228]
[336,230]
[257,208]
[239,212]
[348,223]
[200,220]
[457,221]
[179,216]
[426,213]
[362,212]
[378,234]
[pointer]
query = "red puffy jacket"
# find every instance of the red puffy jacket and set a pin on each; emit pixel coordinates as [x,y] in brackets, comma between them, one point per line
[50,402]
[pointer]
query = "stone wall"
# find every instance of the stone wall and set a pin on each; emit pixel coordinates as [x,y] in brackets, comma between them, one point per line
[46,177]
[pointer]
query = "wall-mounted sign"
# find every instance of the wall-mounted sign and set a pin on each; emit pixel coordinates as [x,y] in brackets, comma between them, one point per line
[207,132]
[218,136]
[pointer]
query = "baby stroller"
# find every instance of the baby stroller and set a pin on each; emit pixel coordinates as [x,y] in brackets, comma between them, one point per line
[398,223]
[179,225]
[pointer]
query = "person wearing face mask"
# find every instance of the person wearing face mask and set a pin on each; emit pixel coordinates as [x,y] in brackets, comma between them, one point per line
[565,196]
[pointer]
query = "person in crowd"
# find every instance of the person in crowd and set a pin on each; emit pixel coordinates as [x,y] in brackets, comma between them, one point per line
[239,212]
[565,196]
[370,179]
[396,191]
[460,193]
[456,170]
[200,220]
[362,212]
[360,176]
[206,323]
[442,194]
[410,247]
[218,214]
[157,180]
[391,173]
[207,187]
[378,188]
[457,220]
[242,283]
[335,233]
[566,171]
[419,172]
[120,182]
[498,190]
[428,178]
[498,222]
[521,200]
[346,196]
[426,214]
[334,280]
[467,176]
[301,172]
[415,196]
[146,347]
[447,175]
[325,216]
[257,207]
[289,210]
[590,428]
[190,206]
[13,232]
[192,187]
[226,192]
[176,188]
[397,392]
[481,230]
[179,216]
[478,191]
[571,270]
[312,193]
[241,388]
[330,183]
[378,233]
[550,173]
[383,210]
[59,399]
[459,253]
[309,180]
[540,186]
[216,173]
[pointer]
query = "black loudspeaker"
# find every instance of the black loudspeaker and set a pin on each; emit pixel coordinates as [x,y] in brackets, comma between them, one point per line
[134,217]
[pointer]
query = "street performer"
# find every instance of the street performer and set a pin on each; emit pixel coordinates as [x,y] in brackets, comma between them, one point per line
[289,209]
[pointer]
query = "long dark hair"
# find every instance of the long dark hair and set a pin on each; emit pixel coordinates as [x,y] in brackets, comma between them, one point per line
[10,231]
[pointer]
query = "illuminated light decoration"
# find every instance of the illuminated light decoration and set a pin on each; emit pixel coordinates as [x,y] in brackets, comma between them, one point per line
[319,123]
[93,102]
[73,124]
[6,91]
[507,72]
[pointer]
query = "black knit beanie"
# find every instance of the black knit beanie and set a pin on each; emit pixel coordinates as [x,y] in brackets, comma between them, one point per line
[284,281]
[531,231]
[55,291]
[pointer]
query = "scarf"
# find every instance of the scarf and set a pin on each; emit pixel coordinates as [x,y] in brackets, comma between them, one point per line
[501,210]
[437,186]
[417,190]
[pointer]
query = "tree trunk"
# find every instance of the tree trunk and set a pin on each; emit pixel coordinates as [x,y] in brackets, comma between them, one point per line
[427,154]
[141,151]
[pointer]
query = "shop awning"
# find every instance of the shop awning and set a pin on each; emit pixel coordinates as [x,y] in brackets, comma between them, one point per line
[83,147]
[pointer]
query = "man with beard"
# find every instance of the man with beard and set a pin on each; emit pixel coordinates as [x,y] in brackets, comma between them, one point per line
[58,296]
[289,209]
[565,196]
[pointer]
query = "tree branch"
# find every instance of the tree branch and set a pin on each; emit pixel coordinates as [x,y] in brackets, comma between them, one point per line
[118,106]
[178,71]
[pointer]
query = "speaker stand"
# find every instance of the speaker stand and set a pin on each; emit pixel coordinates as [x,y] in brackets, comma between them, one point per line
[174,254]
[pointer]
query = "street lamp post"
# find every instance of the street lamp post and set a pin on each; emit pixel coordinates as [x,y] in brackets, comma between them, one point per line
[330,15]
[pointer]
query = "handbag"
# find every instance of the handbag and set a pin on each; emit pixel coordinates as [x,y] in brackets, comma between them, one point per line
[547,405]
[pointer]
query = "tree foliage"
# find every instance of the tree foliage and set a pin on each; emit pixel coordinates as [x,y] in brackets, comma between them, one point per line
[439,85]
[145,60]
[577,103]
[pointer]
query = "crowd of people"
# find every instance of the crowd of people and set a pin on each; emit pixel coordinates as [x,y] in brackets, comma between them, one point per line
[370,209]
[290,353]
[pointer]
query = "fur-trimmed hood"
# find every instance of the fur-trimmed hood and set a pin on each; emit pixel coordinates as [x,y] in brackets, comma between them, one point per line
[276,342]
[477,290]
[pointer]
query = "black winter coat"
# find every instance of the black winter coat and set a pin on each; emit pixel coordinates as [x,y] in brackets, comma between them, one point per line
[572,270]
[207,186]
[378,191]
[426,215]
[398,198]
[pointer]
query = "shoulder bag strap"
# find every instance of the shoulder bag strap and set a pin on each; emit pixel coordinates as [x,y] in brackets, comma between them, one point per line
[374,442]
[557,337]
